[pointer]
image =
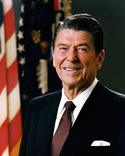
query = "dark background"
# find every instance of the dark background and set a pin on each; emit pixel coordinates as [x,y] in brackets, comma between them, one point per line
[112,16]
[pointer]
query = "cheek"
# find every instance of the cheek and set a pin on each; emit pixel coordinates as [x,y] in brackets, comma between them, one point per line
[89,66]
[58,59]
[54,59]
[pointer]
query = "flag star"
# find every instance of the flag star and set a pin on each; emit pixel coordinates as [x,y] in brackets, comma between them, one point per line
[20,35]
[22,8]
[21,22]
[20,48]
[22,61]
[22,73]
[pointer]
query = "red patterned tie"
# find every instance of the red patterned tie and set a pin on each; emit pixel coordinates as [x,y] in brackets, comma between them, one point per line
[63,129]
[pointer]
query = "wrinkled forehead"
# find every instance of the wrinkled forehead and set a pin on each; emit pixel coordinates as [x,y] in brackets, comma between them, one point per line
[73,34]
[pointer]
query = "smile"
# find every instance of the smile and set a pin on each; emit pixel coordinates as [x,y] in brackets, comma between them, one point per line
[70,69]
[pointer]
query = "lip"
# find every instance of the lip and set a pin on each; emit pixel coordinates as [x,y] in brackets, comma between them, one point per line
[71,68]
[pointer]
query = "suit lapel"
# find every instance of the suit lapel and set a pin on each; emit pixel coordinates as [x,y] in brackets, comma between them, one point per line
[89,109]
[82,130]
[45,125]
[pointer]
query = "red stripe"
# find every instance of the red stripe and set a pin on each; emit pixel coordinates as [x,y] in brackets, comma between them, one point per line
[2,73]
[15,130]
[3,137]
[12,75]
[56,5]
[9,23]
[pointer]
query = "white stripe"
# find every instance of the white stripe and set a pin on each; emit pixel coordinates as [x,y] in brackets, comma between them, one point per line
[7,4]
[11,50]
[2,41]
[3,106]
[14,102]
[6,152]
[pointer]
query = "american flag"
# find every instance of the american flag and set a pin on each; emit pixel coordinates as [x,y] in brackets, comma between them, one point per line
[34,48]
[10,115]
[37,23]
[33,40]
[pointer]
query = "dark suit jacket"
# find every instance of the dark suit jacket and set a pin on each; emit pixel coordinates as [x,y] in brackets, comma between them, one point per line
[101,118]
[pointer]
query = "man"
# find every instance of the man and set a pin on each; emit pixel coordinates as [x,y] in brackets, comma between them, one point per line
[98,120]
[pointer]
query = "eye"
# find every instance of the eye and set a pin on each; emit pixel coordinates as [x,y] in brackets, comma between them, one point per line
[82,49]
[63,48]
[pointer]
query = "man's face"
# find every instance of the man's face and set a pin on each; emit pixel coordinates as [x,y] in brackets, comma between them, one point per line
[75,59]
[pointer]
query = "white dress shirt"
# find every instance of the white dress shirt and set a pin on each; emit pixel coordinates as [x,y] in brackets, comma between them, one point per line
[78,101]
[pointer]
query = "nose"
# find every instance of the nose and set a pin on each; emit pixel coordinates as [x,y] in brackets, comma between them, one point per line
[72,55]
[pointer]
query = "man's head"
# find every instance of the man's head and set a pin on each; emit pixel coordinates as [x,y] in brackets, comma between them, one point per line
[78,51]
[83,22]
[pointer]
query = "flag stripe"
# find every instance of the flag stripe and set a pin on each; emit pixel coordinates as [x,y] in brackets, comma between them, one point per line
[11,50]
[12,75]
[56,5]
[16,130]
[3,137]
[9,23]
[3,106]
[14,102]
[6,152]
[7,4]
[3,92]
[2,73]
[15,150]
[10,96]
[2,41]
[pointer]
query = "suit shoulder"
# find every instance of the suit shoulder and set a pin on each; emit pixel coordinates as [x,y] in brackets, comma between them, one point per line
[46,99]
[111,94]
[116,94]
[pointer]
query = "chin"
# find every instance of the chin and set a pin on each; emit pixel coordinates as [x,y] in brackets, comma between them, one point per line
[71,83]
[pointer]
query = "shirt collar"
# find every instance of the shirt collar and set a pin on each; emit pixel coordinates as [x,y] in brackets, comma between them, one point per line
[79,100]
[82,97]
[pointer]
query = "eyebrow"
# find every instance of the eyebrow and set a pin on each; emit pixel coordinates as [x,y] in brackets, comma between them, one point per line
[83,44]
[62,44]
[80,44]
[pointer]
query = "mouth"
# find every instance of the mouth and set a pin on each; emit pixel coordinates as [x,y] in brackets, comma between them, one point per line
[71,69]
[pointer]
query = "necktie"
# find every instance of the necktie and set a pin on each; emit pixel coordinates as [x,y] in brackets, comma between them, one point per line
[63,129]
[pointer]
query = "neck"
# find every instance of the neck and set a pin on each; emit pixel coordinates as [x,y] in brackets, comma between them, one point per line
[73,91]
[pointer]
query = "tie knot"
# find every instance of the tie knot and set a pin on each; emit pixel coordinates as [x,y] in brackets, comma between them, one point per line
[69,106]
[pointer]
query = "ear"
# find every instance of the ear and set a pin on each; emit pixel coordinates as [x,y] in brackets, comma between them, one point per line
[53,63]
[52,51]
[100,59]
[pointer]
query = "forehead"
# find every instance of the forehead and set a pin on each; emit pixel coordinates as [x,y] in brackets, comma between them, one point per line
[71,35]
